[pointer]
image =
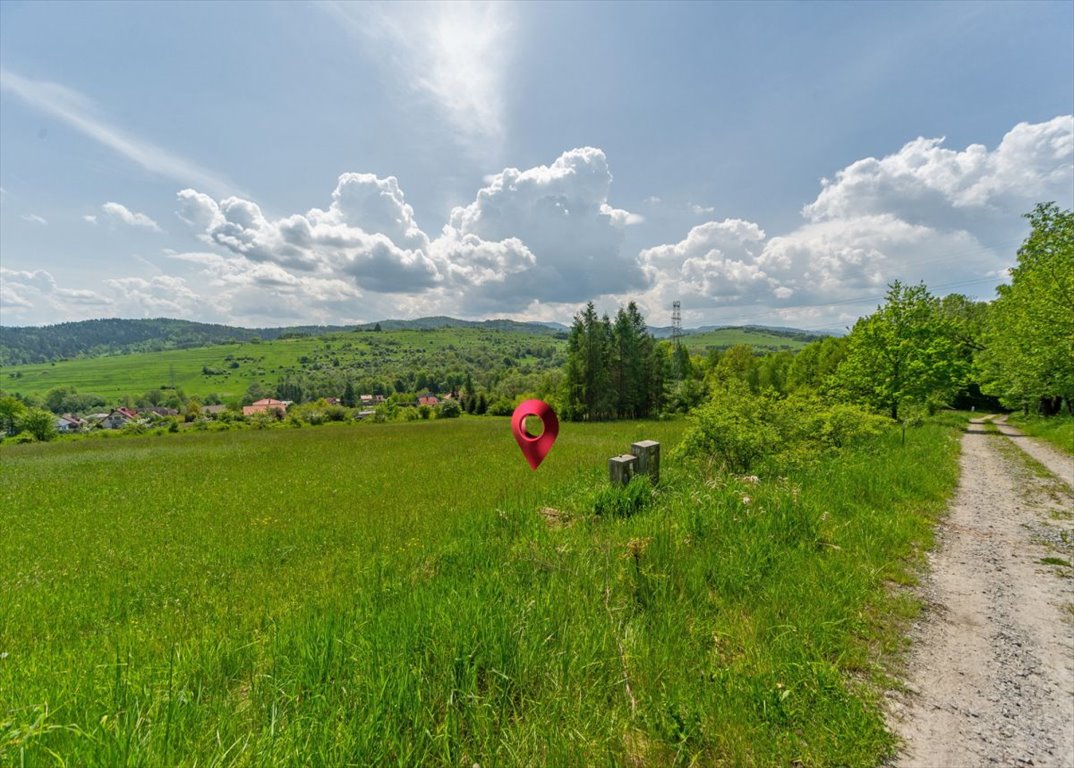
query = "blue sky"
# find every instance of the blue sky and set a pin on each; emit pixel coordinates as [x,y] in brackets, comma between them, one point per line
[284,163]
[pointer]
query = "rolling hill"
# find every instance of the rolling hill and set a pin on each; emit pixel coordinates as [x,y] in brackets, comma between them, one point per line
[203,359]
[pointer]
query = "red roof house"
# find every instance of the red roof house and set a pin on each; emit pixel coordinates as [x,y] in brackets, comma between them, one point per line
[263,405]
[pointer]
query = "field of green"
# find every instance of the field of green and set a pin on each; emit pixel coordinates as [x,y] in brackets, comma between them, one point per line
[413,594]
[726,337]
[355,354]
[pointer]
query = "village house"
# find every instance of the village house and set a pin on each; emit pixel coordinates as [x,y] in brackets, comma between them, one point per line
[69,423]
[264,405]
[429,400]
[119,417]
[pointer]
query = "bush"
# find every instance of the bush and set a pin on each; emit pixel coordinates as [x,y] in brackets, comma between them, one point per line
[39,423]
[133,428]
[449,409]
[336,413]
[23,437]
[624,500]
[735,427]
[740,429]
[500,407]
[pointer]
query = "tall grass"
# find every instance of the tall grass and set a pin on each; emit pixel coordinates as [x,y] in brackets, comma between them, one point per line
[414,594]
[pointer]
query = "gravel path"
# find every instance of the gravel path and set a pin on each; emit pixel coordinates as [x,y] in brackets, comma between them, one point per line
[1059,464]
[991,673]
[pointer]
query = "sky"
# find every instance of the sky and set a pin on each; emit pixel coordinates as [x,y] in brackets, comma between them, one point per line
[273,164]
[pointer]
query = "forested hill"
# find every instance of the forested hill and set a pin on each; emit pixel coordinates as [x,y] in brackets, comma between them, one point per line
[97,338]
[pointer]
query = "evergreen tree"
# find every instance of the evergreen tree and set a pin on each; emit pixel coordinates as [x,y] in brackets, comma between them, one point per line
[612,370]
[350,398]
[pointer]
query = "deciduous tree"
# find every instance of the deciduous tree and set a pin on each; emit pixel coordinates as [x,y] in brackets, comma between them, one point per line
[906,352]
[1029,330]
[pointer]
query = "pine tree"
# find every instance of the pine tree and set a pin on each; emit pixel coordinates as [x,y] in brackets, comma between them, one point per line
[349,399]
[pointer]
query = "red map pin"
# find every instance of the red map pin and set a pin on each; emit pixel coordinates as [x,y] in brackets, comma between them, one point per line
[535,447]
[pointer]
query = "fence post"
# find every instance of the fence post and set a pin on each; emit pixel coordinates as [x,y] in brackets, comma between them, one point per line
[648,453]
[622,468]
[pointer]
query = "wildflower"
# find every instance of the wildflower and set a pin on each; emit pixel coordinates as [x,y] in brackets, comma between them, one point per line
[746,499]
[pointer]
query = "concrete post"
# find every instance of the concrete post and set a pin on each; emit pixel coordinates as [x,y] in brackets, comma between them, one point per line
[648,453]
[622,468]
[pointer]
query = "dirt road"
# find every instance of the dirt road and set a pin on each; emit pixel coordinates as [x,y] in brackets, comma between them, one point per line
[991,672]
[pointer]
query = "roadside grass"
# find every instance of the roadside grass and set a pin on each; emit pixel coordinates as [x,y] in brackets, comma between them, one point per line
[1057,430]
[1047,482]
[414,594]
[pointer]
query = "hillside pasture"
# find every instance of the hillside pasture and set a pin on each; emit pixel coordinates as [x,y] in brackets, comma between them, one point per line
[413,594]
[234,367]
[760,339]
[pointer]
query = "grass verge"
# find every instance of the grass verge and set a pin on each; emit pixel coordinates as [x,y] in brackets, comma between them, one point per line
[1057,430]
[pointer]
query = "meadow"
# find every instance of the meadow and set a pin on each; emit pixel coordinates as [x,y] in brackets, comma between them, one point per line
[413,594]
[382,355]
[759,339]
[234,367]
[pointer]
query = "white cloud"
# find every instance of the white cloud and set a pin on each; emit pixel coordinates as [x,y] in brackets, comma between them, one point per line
[35,297]
[455,53]
[701,210]
[33,218]
[81,114]
[925,182]
[89,218]
[129,217]
[562,215]
[246,290]
[368,232]
[547,233]
[950,218]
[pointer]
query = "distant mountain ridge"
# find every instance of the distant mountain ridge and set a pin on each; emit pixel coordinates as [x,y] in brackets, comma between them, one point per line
[116,336]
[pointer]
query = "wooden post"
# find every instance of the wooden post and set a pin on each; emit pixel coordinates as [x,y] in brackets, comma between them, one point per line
[622,468]
[648,453]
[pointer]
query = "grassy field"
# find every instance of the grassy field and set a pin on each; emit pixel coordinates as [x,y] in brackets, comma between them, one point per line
[727,337]
[412,594]
[386,354]
[1057,430]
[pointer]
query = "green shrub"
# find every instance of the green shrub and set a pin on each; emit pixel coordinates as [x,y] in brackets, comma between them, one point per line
[449,409]
[336,413]
[23,437]
[733,427]
[740,429]
[133,428]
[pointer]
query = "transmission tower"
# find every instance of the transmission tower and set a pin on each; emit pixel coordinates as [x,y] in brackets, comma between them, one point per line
[676,323]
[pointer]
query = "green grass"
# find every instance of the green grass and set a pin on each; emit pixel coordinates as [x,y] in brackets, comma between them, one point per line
[413,594]
[355,355]
[382,355]
[1057,430]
